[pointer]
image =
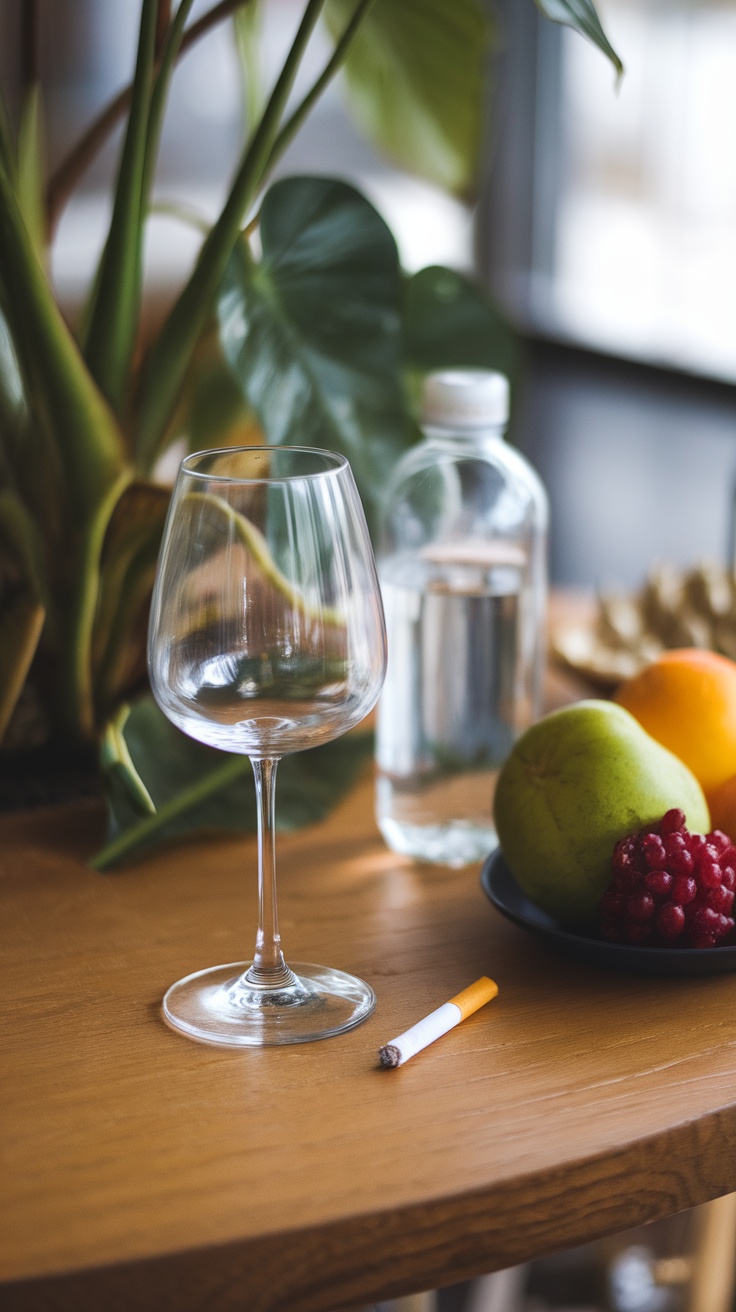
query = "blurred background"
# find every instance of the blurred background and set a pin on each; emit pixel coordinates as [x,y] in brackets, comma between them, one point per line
[605,230]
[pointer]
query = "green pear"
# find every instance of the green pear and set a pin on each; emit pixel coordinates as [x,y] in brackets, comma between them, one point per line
[575,783]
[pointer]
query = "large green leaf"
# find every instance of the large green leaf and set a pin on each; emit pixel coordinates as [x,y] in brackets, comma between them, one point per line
[126,791]
[29,461]
[127,568]
[581,15]
[113,322]
[313,331]
[248,25]
[86,450]
[417,77]
[197,788]
[31,168]
[12,395]
[86,438]
[77,705]
[21,624]
[449,322]
[22,597]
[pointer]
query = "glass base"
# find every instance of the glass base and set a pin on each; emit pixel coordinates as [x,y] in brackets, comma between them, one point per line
[219,1006]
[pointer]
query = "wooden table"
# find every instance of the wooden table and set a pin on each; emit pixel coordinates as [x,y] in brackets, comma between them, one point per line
[143,1171]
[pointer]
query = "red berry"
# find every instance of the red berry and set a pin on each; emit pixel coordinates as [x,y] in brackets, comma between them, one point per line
[672,821]
[670,920]
[674,843]
[659,882]
[684,889]
[653,851]
[710,874]
[705,921]
[681,863]
[640,906]
[721,899]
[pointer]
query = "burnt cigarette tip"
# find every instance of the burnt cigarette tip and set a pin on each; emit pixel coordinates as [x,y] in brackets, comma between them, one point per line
[389,1055]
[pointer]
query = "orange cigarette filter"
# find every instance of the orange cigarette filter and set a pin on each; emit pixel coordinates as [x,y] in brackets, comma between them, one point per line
[475,996]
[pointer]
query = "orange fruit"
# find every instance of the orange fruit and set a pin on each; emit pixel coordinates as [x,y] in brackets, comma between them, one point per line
[686,699]
[722,806]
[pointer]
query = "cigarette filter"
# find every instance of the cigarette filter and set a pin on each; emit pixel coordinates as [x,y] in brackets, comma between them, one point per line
[438,1022]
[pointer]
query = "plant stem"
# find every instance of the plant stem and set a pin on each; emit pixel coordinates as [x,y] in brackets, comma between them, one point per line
[163,20]
[269,970]
[171,353]
[252,224]
[166,56]
[67,175]
[333,66]
[79,709]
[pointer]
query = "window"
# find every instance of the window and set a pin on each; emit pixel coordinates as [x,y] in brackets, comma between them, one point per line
[631,246]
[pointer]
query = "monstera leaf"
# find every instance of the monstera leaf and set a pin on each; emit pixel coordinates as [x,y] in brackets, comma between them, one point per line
[22,600]
[127,567]
[312,332]
[449,322]
[148,763]
[417,79]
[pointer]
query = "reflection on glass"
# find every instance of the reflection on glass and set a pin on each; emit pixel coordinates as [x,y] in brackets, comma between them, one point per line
[267,637]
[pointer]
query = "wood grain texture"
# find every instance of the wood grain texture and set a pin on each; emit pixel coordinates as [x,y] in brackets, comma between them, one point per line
[140,1170]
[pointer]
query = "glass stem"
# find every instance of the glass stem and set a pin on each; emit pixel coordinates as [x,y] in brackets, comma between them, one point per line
[269,970]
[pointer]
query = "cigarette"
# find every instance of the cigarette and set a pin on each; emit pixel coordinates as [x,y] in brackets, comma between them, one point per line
[438,1022]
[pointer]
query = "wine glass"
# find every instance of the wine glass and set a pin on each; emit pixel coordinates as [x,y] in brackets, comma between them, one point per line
[266,637]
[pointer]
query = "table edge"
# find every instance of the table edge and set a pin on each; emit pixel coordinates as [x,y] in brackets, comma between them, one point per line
[419,1246]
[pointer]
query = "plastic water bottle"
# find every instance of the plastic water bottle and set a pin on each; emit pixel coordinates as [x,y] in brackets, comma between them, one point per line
[462,564]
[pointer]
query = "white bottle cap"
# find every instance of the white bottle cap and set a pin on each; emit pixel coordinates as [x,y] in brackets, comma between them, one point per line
[465,398]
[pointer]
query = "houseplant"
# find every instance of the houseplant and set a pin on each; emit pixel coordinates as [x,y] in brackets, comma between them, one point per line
[84,417]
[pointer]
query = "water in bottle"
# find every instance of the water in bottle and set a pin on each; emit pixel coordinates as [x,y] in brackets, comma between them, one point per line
[462,569]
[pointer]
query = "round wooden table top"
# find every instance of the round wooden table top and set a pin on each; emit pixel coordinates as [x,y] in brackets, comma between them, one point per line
[142,1170]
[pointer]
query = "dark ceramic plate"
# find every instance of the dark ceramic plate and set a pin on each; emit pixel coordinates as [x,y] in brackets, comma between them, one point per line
[500,886]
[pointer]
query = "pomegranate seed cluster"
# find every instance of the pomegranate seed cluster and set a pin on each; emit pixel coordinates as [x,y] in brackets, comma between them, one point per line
[671,888]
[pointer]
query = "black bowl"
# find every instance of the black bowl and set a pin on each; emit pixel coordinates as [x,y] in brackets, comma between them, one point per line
[501,887]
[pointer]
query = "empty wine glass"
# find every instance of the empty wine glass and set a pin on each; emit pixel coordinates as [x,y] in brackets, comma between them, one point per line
[266,637]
